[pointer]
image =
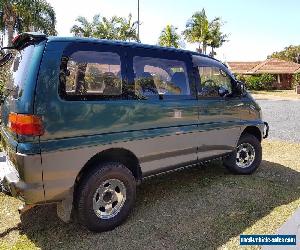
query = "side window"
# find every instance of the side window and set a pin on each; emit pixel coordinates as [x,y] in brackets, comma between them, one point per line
[91,74]
[214,82]
[156,76]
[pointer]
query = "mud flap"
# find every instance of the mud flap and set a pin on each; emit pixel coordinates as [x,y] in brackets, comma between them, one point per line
[64,208]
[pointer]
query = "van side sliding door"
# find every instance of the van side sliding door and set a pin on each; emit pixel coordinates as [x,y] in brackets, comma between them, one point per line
[164,108]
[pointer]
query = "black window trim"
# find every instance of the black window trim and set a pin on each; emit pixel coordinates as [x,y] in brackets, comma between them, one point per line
[203,61]
[200,86]
[184,57]
[84,46]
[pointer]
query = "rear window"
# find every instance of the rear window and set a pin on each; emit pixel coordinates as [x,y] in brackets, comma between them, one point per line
[19,70]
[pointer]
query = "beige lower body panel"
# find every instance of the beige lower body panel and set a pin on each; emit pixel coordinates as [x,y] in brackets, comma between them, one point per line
[61,168]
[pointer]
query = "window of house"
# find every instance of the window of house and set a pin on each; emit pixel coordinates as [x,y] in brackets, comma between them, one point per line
[214,82]
[91,74]
[156,76]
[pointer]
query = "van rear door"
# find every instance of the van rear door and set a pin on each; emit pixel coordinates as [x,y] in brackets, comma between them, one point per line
[20,80]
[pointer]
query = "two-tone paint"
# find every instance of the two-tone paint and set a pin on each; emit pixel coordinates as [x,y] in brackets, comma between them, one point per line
[157,135]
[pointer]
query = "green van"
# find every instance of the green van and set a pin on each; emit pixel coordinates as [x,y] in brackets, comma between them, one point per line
[85,120]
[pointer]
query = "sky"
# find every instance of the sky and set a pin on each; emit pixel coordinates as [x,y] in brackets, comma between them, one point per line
[256,28]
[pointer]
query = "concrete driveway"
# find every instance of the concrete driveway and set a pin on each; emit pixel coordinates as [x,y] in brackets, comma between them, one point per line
[283,117]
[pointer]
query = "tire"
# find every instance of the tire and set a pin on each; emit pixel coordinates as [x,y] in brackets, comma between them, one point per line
[101,205]
[235,162]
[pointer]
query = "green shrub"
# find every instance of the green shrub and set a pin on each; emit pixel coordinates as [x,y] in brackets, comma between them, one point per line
[259,82]
[3,77]
[296,80]
[241,78]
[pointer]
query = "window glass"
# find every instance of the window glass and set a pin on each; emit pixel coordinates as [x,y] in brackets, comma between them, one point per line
[214,82]
[156,76]
[87,73]
[18,74]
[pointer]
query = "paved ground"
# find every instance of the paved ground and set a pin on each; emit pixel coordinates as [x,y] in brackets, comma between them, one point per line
[290,227]
[283,118]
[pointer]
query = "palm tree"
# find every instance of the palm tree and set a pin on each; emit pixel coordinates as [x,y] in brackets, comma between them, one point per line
[169,37]
[128,29]
[85,28]
[197,30]
[107,28]
[26,15]
[200,30]
[113,28]
[216,37]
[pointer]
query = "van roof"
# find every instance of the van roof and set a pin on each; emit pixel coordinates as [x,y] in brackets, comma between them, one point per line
[29,37]
[129,44]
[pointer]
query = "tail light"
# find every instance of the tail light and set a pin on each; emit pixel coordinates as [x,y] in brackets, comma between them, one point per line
[23,124]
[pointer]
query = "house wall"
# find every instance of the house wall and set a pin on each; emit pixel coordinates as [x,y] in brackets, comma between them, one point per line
[285,81]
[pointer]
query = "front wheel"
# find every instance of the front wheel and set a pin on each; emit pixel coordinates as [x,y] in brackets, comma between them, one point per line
[247,156]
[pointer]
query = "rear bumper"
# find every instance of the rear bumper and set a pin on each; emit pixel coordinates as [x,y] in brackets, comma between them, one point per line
[9,179]
[12,184]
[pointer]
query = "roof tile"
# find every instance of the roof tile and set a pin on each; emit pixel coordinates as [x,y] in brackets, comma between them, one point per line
[272,66]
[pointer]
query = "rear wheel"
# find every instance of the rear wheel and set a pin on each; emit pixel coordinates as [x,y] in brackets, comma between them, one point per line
[247,156]
[106,197]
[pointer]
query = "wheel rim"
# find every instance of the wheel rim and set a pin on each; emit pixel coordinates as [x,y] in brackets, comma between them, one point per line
[245,155]
[109,198]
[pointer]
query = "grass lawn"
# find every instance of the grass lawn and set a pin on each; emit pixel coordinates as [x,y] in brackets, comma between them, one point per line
[276,94]
[197,208]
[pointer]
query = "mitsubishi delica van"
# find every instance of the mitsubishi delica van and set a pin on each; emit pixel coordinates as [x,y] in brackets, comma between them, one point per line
[85,120]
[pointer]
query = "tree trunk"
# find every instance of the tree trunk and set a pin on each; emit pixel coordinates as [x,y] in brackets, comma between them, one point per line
[10,33]
[204,48]
[212,52]
[199,48]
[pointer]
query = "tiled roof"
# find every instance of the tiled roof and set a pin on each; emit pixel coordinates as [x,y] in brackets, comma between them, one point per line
[242,67]
[272,66]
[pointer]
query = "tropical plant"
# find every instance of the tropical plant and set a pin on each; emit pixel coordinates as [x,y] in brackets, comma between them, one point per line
[5,75]
[128,29]
[215,37]
[290,53]
[259,82]
[197,29]
[204,32]
[169,37]
[113,28]
[240,77]
[296,80]
[26,15]
[84,27]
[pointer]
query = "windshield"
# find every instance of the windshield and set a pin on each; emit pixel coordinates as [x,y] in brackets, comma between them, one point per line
[17,76]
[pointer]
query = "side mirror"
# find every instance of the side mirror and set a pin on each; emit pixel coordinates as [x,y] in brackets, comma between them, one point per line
[241,88]
[223,92]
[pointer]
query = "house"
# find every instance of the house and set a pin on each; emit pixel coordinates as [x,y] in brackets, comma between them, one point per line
[282,70]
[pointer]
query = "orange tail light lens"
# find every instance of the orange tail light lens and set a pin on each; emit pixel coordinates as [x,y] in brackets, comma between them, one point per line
[25,124]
